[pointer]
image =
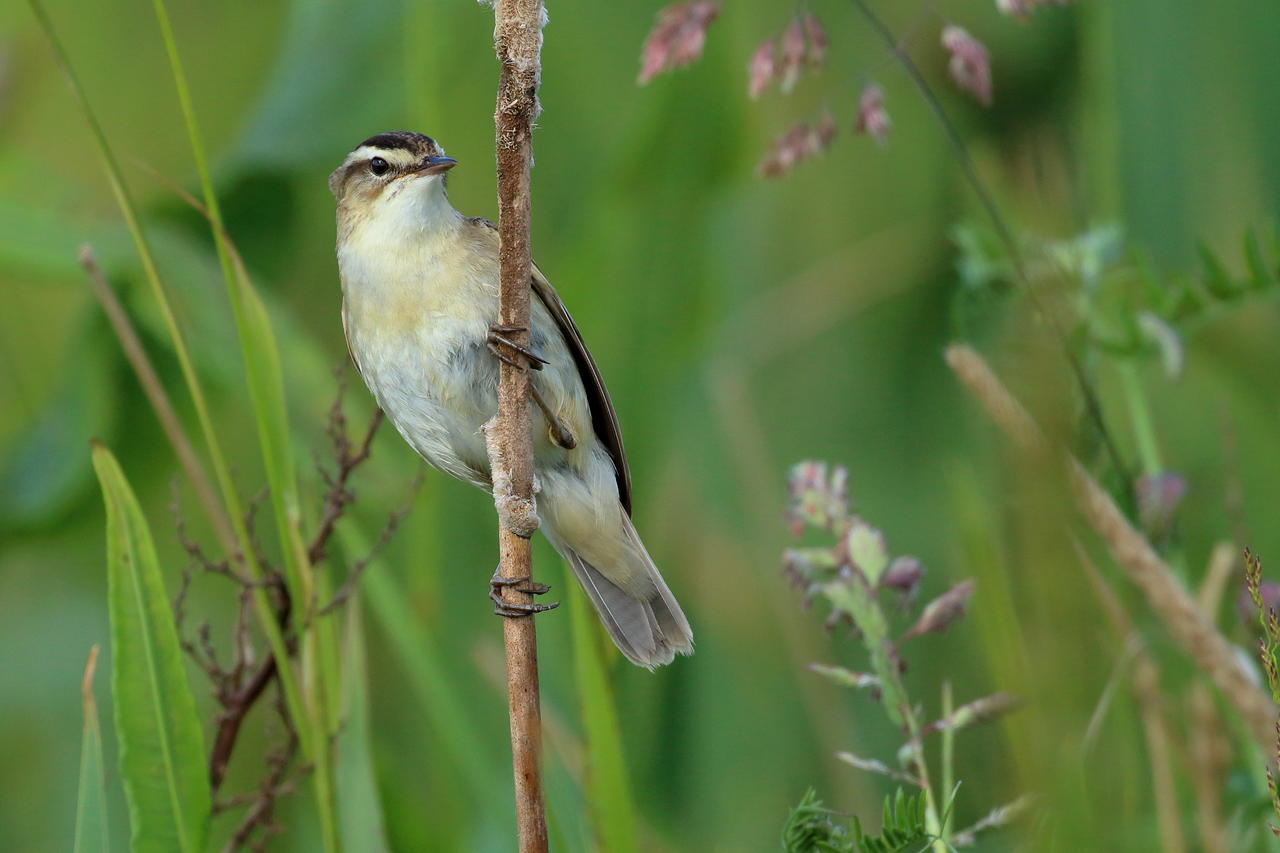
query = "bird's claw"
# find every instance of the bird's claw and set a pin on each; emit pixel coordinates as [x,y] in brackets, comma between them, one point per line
[513,609]
[498,339]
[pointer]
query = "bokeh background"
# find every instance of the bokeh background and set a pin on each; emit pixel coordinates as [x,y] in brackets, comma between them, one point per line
[742,324]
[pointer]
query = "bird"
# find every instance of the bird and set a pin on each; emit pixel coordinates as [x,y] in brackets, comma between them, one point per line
[419,308]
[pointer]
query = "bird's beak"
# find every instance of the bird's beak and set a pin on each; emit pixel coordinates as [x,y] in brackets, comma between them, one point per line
[435,166]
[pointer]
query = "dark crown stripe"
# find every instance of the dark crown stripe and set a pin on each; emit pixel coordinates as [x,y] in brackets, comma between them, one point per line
[404,140]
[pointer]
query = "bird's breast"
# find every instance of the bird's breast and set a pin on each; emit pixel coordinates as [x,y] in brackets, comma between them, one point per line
[416,320]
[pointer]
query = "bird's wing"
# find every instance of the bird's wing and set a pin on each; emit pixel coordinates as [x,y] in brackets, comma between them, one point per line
[604,419]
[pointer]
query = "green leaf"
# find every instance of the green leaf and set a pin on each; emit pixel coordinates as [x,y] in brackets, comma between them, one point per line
[91,802]
[809,829]
[359,810]
[902,826]
[161,746]
[608,793]
[867,550]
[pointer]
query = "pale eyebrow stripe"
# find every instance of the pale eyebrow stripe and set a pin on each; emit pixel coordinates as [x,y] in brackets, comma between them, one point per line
[397,156]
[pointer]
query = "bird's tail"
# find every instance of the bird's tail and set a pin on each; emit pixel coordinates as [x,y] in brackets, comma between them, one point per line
[633,600]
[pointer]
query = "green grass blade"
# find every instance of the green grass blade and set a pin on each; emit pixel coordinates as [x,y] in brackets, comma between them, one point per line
[162,756]
[235,511]
[91,801]
[266,392]
[359,810]
[257,340]
[608,793]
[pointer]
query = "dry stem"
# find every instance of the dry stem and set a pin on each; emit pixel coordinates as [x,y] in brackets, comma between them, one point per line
[518,43]
[1132,552]
[237,689]
[158,397]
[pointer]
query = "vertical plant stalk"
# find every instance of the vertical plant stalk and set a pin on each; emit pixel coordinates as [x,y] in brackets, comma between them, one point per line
[518,43]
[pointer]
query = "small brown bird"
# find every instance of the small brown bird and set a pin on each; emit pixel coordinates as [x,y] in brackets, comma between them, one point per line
[420,296]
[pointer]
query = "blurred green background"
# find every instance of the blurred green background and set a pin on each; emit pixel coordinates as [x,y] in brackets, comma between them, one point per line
[742,325]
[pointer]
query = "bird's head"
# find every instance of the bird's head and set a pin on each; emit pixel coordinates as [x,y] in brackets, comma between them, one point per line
[391,169]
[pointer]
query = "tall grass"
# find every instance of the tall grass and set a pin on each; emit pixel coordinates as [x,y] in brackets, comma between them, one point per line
[308,701]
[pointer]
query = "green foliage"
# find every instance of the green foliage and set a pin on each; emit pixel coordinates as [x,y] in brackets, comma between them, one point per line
[902,826]
[1119,304]
[853,575]
[91,800]
[810,829]
[162,758]
[830,290]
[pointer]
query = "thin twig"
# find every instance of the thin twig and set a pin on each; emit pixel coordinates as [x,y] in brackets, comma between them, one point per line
[359,566]
[1131,551]
[239,699]
[339,496]
[261,814]
[238,705]
[518,44]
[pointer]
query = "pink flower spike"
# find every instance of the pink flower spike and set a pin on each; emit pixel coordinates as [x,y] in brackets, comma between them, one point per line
[969,66]
[942,611]
[798,144]
[762,69]
[677,38]
[817,40]
[872,118]
[793,54]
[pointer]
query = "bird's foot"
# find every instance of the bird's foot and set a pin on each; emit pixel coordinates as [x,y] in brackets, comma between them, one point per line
[560,433]
[513,609]
[499,343]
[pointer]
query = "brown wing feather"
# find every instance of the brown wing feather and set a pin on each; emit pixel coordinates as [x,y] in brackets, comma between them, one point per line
[604,419]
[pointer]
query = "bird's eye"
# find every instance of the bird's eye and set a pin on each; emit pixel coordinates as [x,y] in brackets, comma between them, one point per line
[378,166]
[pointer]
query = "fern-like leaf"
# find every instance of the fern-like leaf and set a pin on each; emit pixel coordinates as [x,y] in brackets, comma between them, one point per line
[810,829]
[902,826]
